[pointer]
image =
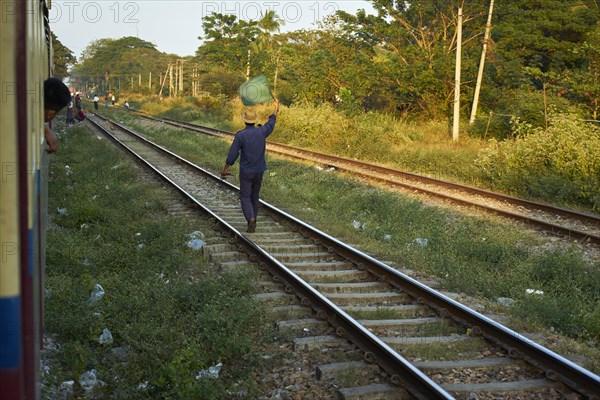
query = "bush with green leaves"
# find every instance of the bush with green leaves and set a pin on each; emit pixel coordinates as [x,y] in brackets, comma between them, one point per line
[311,126]
[561,162]
[367,136]
[506,105]
[220,83]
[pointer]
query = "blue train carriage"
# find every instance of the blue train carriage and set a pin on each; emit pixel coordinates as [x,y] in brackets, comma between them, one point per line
[25,63]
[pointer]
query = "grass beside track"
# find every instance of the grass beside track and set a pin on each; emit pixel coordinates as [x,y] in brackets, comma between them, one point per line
[169,314]
[481,256]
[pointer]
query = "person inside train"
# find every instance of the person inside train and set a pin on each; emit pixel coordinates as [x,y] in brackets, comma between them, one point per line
[56,97]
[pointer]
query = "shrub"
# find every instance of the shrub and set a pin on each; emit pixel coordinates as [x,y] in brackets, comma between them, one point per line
[217,83]
[312,127]
[525,105]
[560,313]
[367,136]
[592,322]
[561,161]
[152,107]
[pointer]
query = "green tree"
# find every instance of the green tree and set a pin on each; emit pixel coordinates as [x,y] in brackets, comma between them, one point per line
[298,76]
[225,43]
[537,53]
[583,84]
[541,33]
[316,64]
[264,57]
[63,57]
[110,64]
[415,43]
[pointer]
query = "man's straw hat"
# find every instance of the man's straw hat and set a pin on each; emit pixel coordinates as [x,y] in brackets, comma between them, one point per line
[249,117]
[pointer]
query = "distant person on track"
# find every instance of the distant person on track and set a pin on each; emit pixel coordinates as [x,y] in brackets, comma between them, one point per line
[96,100]
[112,99]
[80,116]
[127,105]
[106,99]
[70,113]
[251,143]
[78,101]
[56,97]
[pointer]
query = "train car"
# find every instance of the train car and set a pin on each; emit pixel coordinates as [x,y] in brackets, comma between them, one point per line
[26,48]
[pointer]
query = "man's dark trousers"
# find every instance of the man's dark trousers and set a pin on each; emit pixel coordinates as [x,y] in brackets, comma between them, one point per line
[249,191]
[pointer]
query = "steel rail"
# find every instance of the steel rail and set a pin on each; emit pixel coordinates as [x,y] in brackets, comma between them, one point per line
[401,371]
[554,365]
[389,175]
[554,228]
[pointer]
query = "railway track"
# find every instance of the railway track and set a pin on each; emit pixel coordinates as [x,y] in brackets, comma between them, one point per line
[576,225]
[430,346]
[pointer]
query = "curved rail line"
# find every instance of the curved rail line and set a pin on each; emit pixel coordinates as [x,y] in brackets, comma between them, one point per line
[397,178]
[376,349]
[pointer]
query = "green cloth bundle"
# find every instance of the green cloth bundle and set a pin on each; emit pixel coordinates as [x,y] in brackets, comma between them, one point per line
[256,91]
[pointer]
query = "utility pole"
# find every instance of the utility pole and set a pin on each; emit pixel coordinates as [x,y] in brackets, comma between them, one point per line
[170,80]
[456,124]
[194,91]
[545,104]
[181,77]
[149,80]
[486,38]
[162,81]
[248,67]
[176,77]
[276,73]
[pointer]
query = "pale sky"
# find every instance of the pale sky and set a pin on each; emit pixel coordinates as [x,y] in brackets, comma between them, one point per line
[174,26]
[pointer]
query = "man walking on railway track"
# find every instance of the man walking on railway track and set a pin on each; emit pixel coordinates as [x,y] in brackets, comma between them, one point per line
[251,143]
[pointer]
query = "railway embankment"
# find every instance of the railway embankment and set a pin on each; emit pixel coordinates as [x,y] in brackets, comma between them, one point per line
[360,228]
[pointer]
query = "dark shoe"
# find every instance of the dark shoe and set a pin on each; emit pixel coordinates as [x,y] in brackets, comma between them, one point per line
[251,225]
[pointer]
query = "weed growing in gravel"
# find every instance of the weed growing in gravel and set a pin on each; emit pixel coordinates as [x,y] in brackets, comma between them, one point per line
[379,313]
[349,377]
[170,316]
[442,350]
